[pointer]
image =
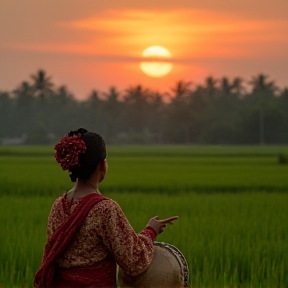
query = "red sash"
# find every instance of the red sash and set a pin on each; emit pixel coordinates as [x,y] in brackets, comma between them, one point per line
[100,276]
[61,239]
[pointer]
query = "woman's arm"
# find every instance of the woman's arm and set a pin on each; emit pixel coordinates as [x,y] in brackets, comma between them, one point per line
[133,252]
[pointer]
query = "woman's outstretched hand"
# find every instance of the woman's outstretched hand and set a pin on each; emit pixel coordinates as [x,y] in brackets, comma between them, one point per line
[157,225]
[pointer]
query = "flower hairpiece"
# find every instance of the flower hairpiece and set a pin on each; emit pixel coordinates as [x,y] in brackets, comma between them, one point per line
[67,151]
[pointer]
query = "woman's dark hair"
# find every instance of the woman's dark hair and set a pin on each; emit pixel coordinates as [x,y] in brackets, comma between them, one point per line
[88,161]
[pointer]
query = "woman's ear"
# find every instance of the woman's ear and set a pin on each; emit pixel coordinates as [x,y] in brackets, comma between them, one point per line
[104,165]
[103,169]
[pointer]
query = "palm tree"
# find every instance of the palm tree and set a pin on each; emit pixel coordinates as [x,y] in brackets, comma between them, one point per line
[136,93]
[24,105]
[6,114]
[238,87]
[112,95]
[23,87]
[136,108]
[23,93]
[42,84]
[181,89]
[93,98]
[262,90]
[226,87]
[112,108]
[211,87]
[156,116]
[63,95]
[261,84]
[179,113]
[95,113]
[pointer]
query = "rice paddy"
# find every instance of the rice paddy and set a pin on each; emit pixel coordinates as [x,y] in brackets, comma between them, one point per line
[232,203]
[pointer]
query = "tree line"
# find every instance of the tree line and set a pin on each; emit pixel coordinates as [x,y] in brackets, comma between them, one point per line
[221,111]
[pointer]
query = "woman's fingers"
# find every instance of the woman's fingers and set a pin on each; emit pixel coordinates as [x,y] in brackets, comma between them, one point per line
[169,220]
[158,225]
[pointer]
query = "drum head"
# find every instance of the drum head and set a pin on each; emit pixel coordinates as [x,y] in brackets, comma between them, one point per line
[169,269]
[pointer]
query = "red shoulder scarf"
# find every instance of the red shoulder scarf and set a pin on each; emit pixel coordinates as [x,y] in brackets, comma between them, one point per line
[61,239]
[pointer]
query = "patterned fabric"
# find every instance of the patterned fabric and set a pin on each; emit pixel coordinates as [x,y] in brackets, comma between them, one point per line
[104,233]
[61,239]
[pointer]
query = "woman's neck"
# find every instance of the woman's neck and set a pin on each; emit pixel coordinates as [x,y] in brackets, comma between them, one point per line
[90,185]
[84,188]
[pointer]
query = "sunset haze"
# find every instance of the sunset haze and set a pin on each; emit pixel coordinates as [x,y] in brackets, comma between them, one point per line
[96,44]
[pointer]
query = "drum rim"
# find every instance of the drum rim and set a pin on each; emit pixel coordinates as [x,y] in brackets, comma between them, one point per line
[179,255]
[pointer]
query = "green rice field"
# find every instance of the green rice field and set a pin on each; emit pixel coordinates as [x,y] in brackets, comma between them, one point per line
[232,203]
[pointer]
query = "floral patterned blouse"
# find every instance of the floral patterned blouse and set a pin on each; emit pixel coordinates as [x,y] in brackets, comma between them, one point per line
[105,232]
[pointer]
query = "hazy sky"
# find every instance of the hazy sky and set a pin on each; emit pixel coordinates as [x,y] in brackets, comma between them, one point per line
[94,44]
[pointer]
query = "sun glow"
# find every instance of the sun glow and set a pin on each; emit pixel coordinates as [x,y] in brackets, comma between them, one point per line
[155,66]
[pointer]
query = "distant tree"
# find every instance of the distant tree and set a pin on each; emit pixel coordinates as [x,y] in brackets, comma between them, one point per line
[63,110]
[181,90]
[211,88]
[179,114]
[25,104]
[24,92]
[136,108]
[197,104]
[230,88]
[94,99]
[216,112]
[42,84]
[204,100]
[225,87]
[94,116]
[42,90]
[63,95]
[6,115]
[222,112]
[283,108]
[156,116]
[260,84]
[112,95]
[112,111]
[262,91]
[238,87]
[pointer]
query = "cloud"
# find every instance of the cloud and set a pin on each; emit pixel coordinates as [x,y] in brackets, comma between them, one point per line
[121,35]
[201,32]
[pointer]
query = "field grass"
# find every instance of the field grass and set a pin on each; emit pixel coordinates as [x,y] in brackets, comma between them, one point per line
[151,169]
[230,239]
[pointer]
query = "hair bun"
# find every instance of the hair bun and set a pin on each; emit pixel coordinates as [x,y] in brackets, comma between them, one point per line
[78,132]
[82,131]
[80,152]
[68,149]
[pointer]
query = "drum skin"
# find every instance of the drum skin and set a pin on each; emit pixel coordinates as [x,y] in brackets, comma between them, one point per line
[168,269]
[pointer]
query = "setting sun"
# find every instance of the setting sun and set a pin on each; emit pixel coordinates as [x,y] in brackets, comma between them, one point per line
[154,65]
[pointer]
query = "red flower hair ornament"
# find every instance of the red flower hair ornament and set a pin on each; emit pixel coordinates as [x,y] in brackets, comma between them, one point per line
[67,151]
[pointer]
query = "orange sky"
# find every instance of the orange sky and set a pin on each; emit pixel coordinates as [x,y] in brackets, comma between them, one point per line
[95,44]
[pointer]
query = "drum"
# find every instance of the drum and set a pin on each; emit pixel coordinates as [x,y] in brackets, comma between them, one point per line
[169,269]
